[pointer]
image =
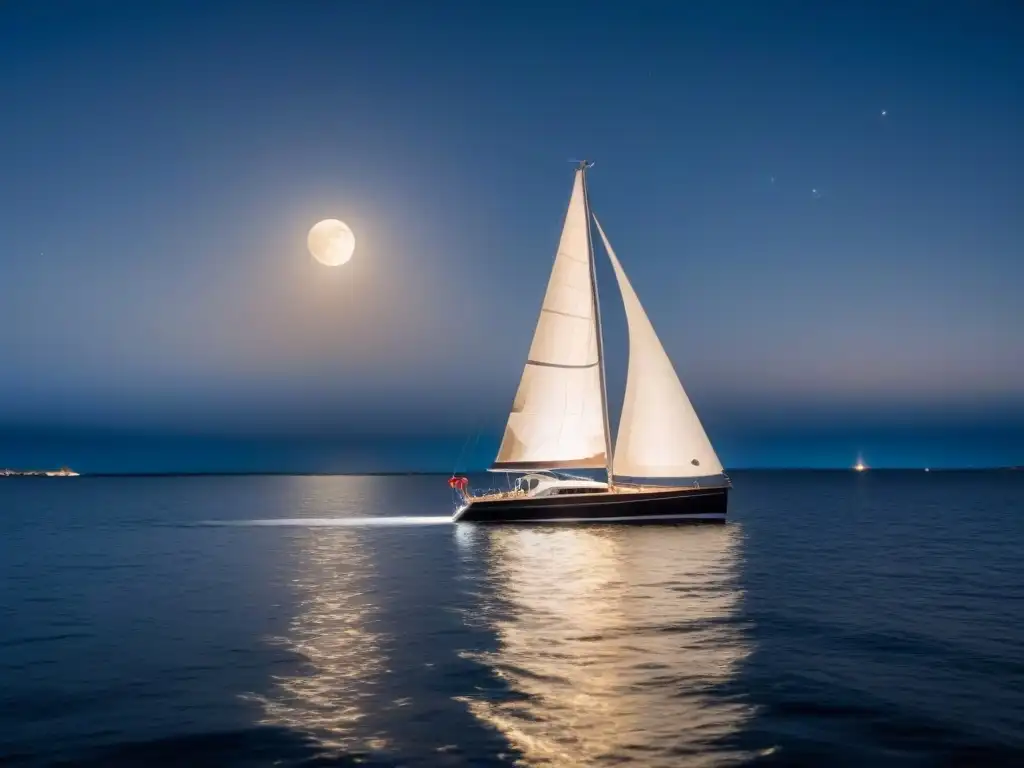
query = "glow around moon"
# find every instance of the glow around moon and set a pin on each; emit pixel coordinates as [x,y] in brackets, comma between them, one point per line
[331,242]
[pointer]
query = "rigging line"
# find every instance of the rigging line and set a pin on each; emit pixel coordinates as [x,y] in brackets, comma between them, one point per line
[476,438]
[458,458]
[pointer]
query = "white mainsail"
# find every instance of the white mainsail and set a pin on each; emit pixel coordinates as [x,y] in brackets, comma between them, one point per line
[557,419]
[659,434]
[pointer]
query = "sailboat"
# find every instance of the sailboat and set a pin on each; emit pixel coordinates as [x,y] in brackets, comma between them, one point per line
[662,468]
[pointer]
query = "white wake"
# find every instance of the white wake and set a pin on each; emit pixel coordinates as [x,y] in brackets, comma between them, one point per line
[335,522]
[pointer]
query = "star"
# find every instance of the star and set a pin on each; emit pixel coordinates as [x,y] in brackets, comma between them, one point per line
[885,112]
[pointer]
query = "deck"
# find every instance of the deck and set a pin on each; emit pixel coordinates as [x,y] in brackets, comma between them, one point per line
[618,489]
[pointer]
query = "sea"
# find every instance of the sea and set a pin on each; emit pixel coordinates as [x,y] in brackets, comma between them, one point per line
[837,619]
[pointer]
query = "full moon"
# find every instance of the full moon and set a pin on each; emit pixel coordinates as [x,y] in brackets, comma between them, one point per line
[331,242]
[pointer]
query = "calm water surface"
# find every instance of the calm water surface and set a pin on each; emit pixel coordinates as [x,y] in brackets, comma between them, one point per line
[839,619]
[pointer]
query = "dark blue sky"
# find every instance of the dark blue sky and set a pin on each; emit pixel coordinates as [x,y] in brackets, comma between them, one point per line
[162,161]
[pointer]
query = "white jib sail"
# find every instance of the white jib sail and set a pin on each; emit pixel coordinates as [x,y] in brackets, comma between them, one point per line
[659,434]
[557,419]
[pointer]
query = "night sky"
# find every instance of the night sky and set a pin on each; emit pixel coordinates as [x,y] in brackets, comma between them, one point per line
[821,206]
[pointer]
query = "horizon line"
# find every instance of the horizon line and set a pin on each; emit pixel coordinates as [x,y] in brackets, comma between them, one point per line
[405,473]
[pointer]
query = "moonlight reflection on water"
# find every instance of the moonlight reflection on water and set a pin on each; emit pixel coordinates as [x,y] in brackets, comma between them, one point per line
[613,642]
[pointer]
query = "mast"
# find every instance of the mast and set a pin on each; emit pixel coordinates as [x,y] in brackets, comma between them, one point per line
[583,166]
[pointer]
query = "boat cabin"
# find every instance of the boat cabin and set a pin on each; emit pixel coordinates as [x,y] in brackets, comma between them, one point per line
[543,484]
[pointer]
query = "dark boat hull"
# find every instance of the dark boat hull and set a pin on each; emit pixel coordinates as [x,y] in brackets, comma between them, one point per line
[698,505]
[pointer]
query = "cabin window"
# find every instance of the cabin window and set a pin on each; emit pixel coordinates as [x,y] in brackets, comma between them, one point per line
[567,491]
[528,484]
